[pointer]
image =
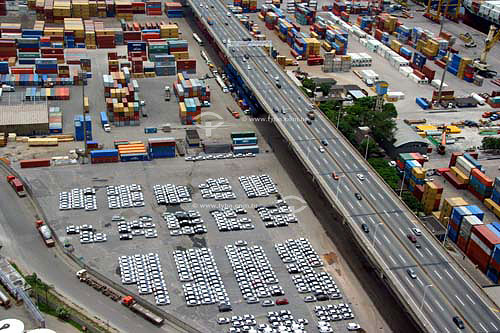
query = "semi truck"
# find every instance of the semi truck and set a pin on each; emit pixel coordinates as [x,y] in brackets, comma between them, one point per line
[17,185]
[85,277]
[130,303]
[45,232]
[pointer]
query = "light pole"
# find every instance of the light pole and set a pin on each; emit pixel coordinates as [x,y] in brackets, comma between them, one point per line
[423,297]
[446,231]
[338,187]
[402,183]
[340,112]
[82,75]
[367,142]
[375,233]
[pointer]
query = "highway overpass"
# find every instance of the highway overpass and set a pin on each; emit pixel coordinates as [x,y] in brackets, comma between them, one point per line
[441,289]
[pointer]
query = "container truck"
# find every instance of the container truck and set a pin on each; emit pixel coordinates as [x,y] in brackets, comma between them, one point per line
[130,302]
[85,277]
[45,232]
[17,185]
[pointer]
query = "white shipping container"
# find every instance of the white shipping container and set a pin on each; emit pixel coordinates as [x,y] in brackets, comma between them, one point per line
[478,98]
[464,165]
[436,83]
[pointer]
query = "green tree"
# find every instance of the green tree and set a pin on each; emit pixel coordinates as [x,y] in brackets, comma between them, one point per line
[372,147]
[491,143]
[325,88]
[412,202]
[309,84]
[62,313]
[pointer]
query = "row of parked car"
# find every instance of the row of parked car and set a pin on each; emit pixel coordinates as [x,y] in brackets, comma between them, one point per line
[125,196]
[218,189]
[277,215]
[228,219]
[78,198]
[145,271]
[185,223]
[202,282]
[171,194]
[258,185]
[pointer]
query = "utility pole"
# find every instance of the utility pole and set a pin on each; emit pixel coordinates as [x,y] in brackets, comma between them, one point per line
[440,91]
[82,78]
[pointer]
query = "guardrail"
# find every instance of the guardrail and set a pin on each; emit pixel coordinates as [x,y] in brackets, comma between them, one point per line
[188,327]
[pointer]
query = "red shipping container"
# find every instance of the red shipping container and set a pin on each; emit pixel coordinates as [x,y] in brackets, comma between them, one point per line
[35,163]
[454,180]
[418,191]
[483,179]
[419,74]
[481,243]
[462,243]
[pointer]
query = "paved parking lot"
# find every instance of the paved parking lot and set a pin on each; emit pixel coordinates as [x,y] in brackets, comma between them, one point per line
[104,256]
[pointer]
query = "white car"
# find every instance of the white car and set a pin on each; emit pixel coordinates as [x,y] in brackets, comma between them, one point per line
[107,128]
[265,70]
[416,231]
[392,164]
[321,149]
[360,177]
[353,327]
[248,67]
[228,14]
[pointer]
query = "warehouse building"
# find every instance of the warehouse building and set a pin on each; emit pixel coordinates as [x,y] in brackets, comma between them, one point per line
[25,119]
[406,141]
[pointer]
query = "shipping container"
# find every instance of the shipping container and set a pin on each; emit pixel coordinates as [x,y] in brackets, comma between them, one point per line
[35,163]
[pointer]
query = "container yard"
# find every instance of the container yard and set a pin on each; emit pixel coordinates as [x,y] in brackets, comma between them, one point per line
[84,84]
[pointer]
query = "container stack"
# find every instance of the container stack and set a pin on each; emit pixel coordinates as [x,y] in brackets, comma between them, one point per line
[7,49]
[304,15]
[186,66]
[165,65]
[122,99]
[174,9]
[328,64]
[28,50]
[55,120]
[386,22]
[431,197]
[448,205]
[468,222]
[403,34]
[481,245]
[283,28]
[493,271]
[480,185]
[493,203]
[169,31]
[79,132]
[3,7]
[153,8]
[179,49]
[104,156]
[161,147]
[74,32]
[60,10]
[157,47]
[80,8]
[105,37]
[414,174]
[46,66]
[271,19]
[244,142]
[135,49]
[190,111]
[457,216]
[133,152]
[123,9]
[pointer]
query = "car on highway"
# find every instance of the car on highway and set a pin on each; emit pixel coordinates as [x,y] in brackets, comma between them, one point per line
[411,273]
[365,228]
[248,67]
[321,149]
[335,176]
[416,231]
[246,56]
[458,322]
[224,41]
[281,301]
[278,85]
[360,177]
[283,111]
[358,196]
[412,238]
[275,109]
[353,327]
[308,122]
[266,71]
[324,142]
[228,14]
[417,245]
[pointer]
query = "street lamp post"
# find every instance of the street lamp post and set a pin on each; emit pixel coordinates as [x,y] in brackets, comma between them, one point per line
[375,233]
[446,231]
[82,78]
[423,297]
[367,142]
[340,112]
[338,187]
[402,183]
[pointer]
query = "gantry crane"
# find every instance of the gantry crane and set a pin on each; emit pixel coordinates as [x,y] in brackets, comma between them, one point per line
[480,65]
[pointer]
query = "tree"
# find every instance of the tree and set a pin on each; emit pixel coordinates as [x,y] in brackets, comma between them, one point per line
[412,202]
[491,143]
[309,84]
[372,147]
[325,88]
[62,312]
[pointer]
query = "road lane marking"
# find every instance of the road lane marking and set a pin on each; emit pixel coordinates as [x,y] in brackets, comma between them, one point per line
[429,251]
[336,154]
[446,271]
[420,253]
[392,259]
[380,195]
[371,195]
[324,160]
[447,330]
[484,328]
[439,305]
[428,307]
[402,231]
[439,276]
[459,300]
[402,259]
[350,204]
[387,239]
[420,281]
[470,299]
[496,329]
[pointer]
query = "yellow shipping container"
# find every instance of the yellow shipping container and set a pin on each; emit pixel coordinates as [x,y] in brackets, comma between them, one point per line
[180,55]
[182,107]
[489,203]
[419,173]
[395,45]
[460,175]
[453,129]
[426,128]
[448,205]
[32,142]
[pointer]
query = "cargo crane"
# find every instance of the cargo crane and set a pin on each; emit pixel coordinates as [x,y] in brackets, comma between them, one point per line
[480,65]
[441,149]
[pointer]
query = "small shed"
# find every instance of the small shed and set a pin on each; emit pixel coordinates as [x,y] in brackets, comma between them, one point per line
[406,141]
[25,119]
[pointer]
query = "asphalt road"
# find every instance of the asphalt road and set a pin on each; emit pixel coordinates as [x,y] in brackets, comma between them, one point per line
[441,289]
[24,245]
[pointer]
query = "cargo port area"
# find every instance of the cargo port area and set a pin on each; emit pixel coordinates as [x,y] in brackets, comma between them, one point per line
[249,166]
